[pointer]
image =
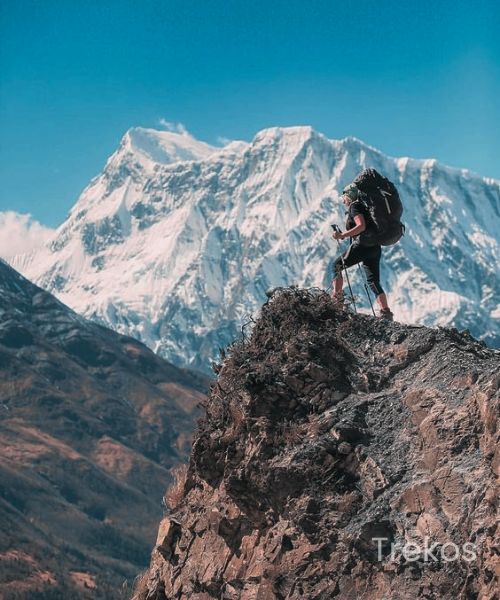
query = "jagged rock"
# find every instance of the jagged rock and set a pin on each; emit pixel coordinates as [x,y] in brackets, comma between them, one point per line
[168,536]
[328,437]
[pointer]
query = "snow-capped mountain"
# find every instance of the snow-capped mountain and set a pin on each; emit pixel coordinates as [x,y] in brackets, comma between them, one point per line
[176,241]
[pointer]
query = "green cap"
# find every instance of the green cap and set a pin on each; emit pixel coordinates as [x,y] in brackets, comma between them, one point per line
[351,190]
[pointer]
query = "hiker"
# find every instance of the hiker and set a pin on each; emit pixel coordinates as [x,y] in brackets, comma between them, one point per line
[359,221]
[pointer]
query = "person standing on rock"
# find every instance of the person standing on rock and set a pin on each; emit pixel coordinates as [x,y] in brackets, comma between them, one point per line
[359,221]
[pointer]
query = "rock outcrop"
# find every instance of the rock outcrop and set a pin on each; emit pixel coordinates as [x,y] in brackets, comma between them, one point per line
[340,457]
[90,424]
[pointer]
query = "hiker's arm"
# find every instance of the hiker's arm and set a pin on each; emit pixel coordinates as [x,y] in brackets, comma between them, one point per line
[356,230]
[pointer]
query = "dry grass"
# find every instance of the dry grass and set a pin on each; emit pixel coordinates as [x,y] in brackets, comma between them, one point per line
[399,352]
[291,433]
[175,492]
[314,429]
[237,415]
[237,419]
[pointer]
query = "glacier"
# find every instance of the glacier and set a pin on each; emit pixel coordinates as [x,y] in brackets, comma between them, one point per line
[176,241]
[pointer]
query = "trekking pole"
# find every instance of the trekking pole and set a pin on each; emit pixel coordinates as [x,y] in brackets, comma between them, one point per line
[366,290]
[344,268]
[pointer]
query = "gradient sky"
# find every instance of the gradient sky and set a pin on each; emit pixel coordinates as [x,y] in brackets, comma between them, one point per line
[411,78]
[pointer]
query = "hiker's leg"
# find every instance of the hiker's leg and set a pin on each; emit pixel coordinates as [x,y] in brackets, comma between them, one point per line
[338,284]
[349,258]
[338,281]
[371,266]
[382,301]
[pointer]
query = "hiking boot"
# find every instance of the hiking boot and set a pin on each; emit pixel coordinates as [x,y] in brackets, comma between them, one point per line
[386,313]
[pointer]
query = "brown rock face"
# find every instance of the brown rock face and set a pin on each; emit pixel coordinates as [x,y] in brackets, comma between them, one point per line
[340,457]
[90,424]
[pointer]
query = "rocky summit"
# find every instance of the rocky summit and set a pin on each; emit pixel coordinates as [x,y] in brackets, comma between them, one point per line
[90,424]
[340,457]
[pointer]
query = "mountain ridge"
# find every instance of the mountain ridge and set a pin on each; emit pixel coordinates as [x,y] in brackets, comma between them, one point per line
[166,252]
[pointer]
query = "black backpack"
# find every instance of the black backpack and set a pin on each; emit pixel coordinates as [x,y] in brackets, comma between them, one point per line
[381,198]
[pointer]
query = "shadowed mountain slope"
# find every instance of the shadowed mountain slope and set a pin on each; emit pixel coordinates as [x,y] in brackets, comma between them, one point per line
[91,423]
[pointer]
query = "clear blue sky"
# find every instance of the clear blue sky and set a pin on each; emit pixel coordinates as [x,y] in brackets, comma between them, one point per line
[412,78]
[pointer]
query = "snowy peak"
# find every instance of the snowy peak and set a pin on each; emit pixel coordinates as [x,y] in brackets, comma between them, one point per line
[284,135]
[176,241]
[141,153]
[285,142]
[164,147]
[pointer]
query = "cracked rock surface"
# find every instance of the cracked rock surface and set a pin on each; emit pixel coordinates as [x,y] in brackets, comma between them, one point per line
[323,432]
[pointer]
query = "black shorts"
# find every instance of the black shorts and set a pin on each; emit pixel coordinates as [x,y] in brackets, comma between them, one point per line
[369,256]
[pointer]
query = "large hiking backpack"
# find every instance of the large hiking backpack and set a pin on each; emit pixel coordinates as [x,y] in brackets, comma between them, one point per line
[382,200]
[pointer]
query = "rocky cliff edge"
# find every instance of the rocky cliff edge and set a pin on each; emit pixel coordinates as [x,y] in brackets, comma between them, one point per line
[340,457]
